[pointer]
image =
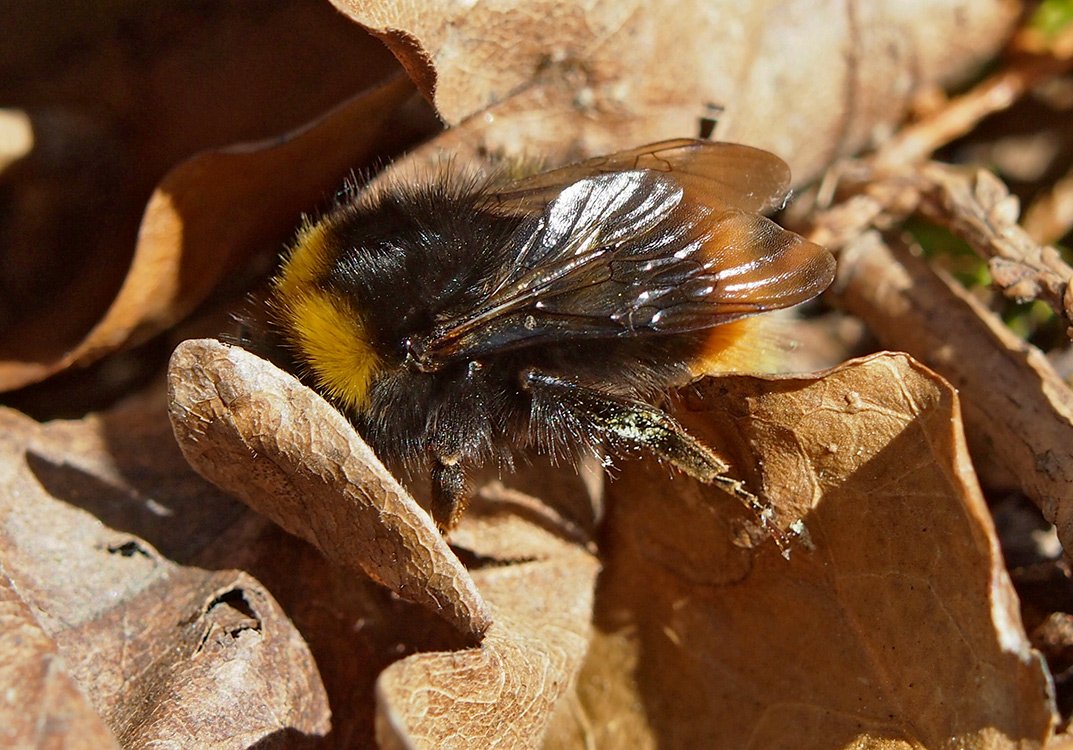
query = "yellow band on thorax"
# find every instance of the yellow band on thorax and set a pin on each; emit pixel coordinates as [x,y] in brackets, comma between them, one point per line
[323,326]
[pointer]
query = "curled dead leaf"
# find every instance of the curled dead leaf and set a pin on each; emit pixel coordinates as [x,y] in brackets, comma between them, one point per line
[896,625]
[259,434]
[192,236]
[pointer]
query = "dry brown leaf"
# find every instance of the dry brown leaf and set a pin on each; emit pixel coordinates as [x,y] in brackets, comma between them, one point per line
[164,653]
[41,705]
[255,431]
[192,236]
[808,82]
[116,97]
[1008,387]
[115,486]
[504,693]
[895,627]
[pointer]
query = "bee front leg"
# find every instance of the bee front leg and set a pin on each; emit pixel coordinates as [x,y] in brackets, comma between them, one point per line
[450,492]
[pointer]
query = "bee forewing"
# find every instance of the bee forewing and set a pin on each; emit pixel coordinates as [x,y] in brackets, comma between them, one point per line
[633,253]
[721,175]
[758,265]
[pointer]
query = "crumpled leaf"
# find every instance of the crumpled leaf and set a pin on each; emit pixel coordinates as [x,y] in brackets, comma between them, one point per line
[164,653]
[256,432]
[893,623]
[809,82]
[654,651]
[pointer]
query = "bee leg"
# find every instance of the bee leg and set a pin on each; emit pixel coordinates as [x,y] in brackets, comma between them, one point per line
[628,425]
[450,492]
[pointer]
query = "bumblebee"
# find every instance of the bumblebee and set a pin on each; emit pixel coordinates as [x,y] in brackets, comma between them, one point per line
[463,320]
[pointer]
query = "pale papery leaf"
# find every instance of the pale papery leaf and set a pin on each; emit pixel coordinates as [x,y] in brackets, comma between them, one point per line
[809,82]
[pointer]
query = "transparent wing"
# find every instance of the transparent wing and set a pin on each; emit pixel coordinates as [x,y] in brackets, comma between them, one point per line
[724,174]
[632,253]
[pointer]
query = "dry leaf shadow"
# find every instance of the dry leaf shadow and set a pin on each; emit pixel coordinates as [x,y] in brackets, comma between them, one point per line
[878,632]
[285,739]
[178,527]
[503,508]
[548,498]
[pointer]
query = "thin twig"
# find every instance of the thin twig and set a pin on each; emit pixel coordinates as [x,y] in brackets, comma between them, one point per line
[1030,66]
